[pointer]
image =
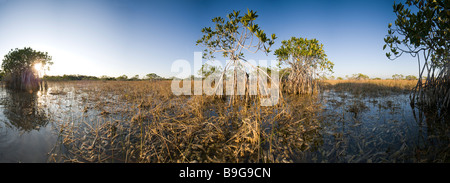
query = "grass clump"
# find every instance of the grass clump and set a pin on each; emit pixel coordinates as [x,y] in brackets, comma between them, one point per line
[141,121]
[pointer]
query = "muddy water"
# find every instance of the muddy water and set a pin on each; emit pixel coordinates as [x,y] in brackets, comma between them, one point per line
[351,128]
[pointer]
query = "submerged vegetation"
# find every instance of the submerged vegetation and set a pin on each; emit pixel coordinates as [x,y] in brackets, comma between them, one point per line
[146,123]
[139,121]
[134,119]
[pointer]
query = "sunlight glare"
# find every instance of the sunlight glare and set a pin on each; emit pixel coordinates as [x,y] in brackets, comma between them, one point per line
[38,66]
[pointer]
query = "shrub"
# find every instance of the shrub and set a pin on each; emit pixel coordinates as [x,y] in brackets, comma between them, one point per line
[18,67]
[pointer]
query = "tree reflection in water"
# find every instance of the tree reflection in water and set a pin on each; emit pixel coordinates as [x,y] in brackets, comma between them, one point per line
[434,135]
[22,111]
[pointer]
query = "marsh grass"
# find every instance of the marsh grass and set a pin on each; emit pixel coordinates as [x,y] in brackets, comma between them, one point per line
[372,121]
[370,87]
[143,121]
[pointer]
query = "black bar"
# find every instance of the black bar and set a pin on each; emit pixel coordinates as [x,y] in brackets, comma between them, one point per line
[244,172]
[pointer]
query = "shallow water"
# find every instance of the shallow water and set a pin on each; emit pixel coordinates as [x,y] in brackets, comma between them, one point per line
[378,129]
[25,127]
[29,122]
[351,128]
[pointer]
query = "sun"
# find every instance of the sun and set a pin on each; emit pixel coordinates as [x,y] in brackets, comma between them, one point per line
[39,69]
[38,66]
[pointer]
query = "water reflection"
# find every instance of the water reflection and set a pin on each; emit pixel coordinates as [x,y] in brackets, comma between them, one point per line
[23,111]
[434,136]
[25,133]
[335,126]
[380,129]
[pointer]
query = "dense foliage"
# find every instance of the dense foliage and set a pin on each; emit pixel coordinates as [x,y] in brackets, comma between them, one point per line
[18,68]
[422,29]
[307,59]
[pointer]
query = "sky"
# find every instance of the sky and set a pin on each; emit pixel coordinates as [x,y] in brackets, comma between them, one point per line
[116,37]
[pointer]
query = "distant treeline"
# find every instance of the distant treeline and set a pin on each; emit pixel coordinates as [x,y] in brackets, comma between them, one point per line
[77,77]
[153,76]
[361,76]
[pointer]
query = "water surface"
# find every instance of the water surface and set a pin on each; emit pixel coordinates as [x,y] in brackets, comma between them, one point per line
[351,128]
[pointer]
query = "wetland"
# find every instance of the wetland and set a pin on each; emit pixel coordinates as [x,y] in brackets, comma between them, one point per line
[142,121]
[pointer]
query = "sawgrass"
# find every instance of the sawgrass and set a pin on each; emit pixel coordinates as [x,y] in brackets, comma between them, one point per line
[142,121]
[370,87]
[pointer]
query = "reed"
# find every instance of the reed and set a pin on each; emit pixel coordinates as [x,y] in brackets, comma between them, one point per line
[142,121]
[370,87]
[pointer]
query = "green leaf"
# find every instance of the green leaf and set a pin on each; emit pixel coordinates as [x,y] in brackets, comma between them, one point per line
[220,37]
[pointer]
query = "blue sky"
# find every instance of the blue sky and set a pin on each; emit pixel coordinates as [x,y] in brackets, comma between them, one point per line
[115,37]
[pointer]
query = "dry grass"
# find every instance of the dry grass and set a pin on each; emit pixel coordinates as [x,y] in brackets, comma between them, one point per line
[143,121]
[370,87]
